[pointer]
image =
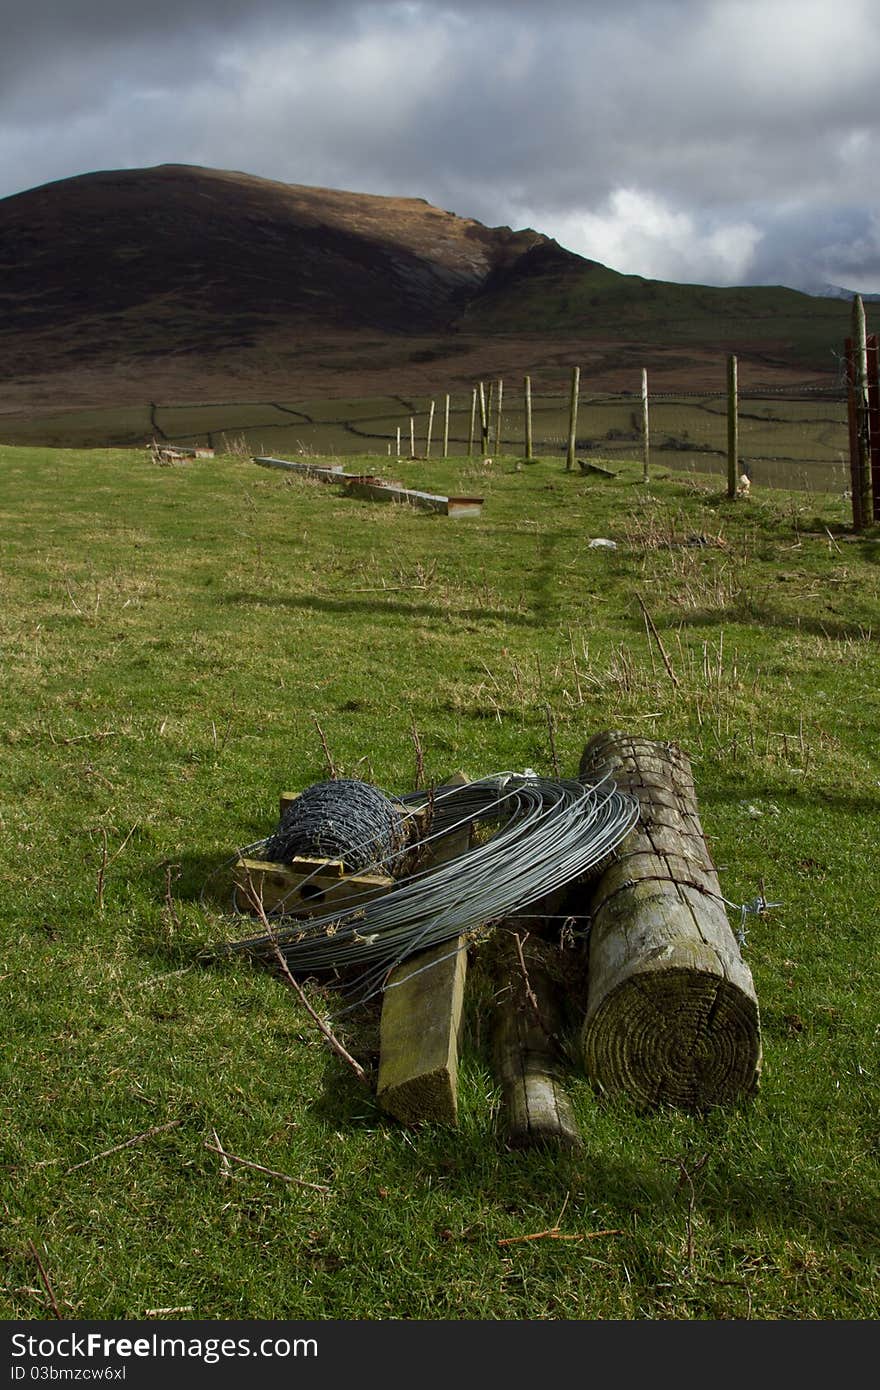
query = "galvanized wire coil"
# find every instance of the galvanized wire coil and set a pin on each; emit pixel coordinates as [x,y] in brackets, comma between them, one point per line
[545,833]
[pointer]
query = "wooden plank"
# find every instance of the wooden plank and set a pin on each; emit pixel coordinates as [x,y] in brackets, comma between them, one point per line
[306,886]
[421,1019]
[329,472]
[587,466]
[372,491]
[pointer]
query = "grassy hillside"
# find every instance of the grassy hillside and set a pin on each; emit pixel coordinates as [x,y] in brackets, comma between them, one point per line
[172,638]
[547,293]
[188,284]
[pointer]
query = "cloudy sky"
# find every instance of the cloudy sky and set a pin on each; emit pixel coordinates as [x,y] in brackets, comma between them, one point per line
[717,141]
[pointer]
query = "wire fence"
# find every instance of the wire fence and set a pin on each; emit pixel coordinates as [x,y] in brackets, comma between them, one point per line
[791,437]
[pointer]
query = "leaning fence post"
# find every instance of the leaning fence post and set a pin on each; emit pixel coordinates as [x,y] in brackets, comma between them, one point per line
[473,421]
[646,434]
[572,418]
[732,428]
[430,428]
[527,385]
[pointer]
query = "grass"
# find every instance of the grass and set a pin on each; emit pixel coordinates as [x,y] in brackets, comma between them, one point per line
[170,637]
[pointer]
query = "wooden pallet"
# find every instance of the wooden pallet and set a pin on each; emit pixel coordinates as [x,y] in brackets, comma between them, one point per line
[306,887]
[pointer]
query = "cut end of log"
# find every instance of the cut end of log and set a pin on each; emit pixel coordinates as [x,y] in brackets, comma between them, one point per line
[672,1014]
[675,1037]
[429,1098]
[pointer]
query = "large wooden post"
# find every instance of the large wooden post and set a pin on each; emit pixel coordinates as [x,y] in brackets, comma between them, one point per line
[672,1014]
[446,427]
[732,428]
[470,446]
[572,418]
[527,386]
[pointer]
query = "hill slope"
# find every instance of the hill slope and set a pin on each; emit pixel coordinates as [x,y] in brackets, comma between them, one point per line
[185,282]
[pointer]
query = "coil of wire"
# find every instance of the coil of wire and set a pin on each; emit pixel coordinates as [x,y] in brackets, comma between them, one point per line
[546,833]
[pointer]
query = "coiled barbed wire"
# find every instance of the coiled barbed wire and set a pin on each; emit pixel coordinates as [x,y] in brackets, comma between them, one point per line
[547,834]
[344,819]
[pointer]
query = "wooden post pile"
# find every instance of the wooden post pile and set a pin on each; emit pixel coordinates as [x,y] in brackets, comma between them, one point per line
[672,1014]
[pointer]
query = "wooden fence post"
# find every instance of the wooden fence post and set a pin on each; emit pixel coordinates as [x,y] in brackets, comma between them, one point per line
[646,433]
[446,428]
[412,436]
[398,441]
[874,417]
[484,422]
[527,385]
[858,394]
[732,428]
[473,421]
[498,417]
[430,428]
[572,418]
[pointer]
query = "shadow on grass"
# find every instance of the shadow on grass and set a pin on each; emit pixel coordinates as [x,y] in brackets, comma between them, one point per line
[751,615]
[386,606]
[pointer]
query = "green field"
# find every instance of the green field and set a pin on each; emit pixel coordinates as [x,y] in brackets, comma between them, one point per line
[796,441]
[175,639]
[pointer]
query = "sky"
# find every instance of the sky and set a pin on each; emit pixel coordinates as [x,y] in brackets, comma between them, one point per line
[702,141]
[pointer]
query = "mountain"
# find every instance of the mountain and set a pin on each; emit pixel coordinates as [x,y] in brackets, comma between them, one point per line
[181,283]
[826,291]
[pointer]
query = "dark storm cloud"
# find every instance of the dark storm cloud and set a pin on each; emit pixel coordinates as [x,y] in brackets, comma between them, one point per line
[722,140]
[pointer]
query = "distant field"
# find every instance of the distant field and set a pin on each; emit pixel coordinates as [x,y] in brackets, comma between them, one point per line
[790,441]
[181,643]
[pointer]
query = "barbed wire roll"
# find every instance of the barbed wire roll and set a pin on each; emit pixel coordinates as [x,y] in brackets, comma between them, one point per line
[344,819]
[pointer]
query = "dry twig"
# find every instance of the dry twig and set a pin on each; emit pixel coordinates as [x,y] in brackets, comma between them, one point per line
[554,1233]
[270,1172]
[298,990]
[331,766]
[45,1278]
[137,1139]
[656,635]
